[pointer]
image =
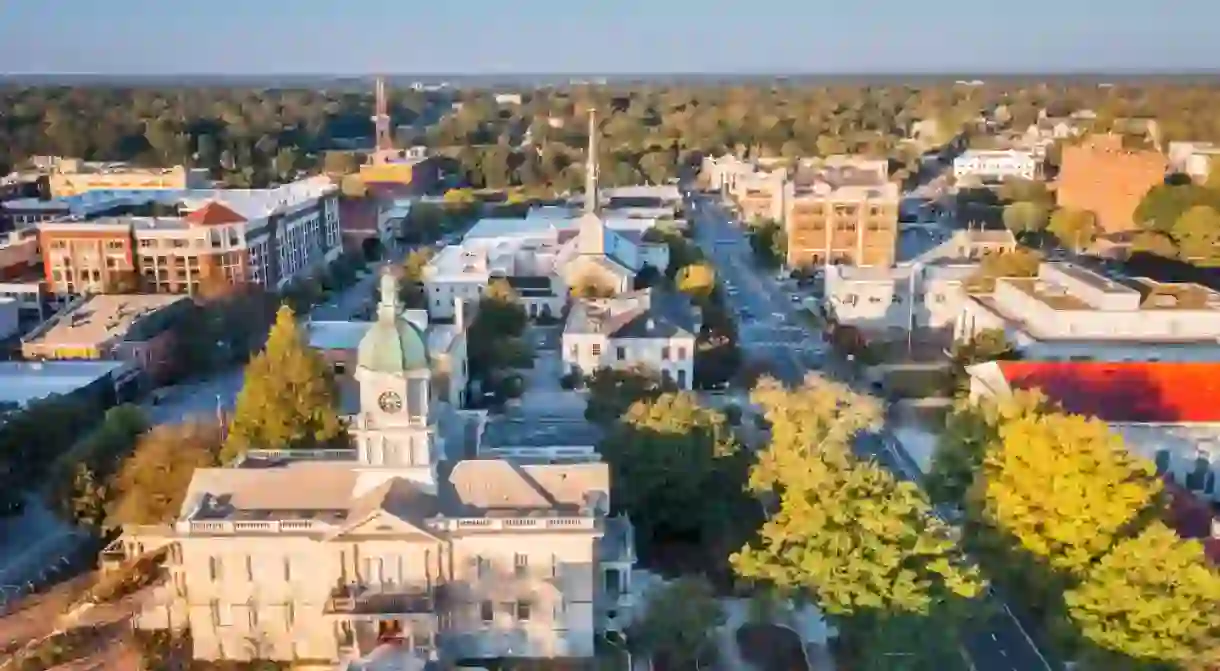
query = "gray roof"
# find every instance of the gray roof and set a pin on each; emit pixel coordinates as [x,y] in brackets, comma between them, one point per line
[649,313]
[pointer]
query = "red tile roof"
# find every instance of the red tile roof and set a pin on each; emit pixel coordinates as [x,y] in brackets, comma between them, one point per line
[214,214]
[1171,393]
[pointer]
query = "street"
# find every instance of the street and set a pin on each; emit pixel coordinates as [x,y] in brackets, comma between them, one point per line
[772,330]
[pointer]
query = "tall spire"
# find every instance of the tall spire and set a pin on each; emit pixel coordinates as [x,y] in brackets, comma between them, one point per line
[387,307]
[592,204]
[381,118]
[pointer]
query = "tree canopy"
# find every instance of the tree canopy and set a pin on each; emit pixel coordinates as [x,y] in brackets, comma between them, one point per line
[288,399]
[679,624]
[1074,229]
[865,547]
[151,485]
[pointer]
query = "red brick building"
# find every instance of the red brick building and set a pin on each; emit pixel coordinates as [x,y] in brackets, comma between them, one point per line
[1103,177]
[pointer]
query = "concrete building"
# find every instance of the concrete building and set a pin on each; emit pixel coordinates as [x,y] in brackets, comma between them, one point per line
[1101,176]
[841,210]
[71,176]
[997,165]
[194,241]
[1068,312]
[393,552]
[137,328]
[879,300]
[1166,412]
[19,254]
[10,318]
[651,328]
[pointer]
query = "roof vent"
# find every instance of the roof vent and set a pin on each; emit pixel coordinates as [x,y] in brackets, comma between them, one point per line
[651,324]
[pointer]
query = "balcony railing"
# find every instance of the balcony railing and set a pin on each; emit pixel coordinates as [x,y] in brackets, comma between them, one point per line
[381,599]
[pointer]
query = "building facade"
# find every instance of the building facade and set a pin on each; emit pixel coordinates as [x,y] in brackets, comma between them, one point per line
[71,176]
[651,329]
[1101,176]
[997,165]
[203,241]
[841,210]
[391,551]
[898,298]
[1069,312]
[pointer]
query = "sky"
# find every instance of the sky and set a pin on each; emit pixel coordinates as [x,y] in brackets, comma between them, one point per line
[360,37]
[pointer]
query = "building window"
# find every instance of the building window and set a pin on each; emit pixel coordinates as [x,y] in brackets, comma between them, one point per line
[482,566]
[595,349]
[249,568]
[575,351]
[287,568]
[252,614]
[521,564]
[214,610]
[290,614]
[681,354]
[215,568]
[486,612]
[622,353]
[523,611]
[665,353]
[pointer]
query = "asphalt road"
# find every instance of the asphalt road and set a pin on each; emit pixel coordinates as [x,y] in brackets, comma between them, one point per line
[772,331]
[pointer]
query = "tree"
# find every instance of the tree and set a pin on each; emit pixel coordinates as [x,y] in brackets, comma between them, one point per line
[1197,233]
[679,625]
[338,163]
[591,286]
[647,277]
[1020,262]
[288,398]
[697,280]
[677,470]
[970,430]
[151,485]
[500,315]
[79,489]
[1074,229]
[1059,489]
[612,391]
[1025,217]
[1155,243]
[842,531]
[1164,204]
[987,345]
[1151,599]
[411,289]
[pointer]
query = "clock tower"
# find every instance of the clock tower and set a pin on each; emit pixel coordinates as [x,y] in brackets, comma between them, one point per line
[395,429]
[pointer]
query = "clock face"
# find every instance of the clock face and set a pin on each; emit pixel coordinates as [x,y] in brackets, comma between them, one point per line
[390,402]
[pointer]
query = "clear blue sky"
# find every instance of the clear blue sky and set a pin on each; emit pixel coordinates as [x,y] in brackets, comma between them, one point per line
[605,36]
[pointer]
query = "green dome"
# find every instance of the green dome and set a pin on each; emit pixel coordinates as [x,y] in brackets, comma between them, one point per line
[392,344]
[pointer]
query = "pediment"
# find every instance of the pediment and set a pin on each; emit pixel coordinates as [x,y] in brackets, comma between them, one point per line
[381,523]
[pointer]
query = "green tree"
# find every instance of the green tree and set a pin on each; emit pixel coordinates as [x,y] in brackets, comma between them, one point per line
[1074,229]
[679,625]
[1020,262]
[590,286]
[1026,217]
[500,316]
[1197,233]
[1155,243]
[288,398]
[612,391]
[678,471]
[152,483]
[1150,600]
[1164,204]
[866,548]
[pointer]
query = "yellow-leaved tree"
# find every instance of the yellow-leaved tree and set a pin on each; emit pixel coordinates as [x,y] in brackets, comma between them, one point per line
[845,533]
[288,398]
[1062,487]
[1151,600]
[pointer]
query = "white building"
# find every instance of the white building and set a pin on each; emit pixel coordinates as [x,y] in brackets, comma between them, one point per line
[549,250]
[997,164]
[1070,312]
[393,552]
[1166,412]
[1193,158]
[649,328]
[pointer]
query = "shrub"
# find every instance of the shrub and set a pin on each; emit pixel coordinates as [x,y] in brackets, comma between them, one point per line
[570,381]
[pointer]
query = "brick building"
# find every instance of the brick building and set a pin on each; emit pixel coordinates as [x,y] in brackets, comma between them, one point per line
[1103,177]
[841,210]
[195,241]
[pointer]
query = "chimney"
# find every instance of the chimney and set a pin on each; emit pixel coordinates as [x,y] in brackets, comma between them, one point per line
[459,314]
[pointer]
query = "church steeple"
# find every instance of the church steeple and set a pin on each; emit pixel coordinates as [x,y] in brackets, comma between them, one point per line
[388,307]
[592,202]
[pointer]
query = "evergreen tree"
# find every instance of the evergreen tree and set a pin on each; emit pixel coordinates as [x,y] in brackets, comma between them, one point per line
[288,397]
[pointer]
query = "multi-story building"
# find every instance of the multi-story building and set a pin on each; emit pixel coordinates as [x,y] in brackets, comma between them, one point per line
[901,298]
[652,329]
[841,210]
[1069,312]
[193,241]
[137,328]
[997,165]
[1102,177]
[1193,158]
[70,176]
[393,549]
[19,256]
